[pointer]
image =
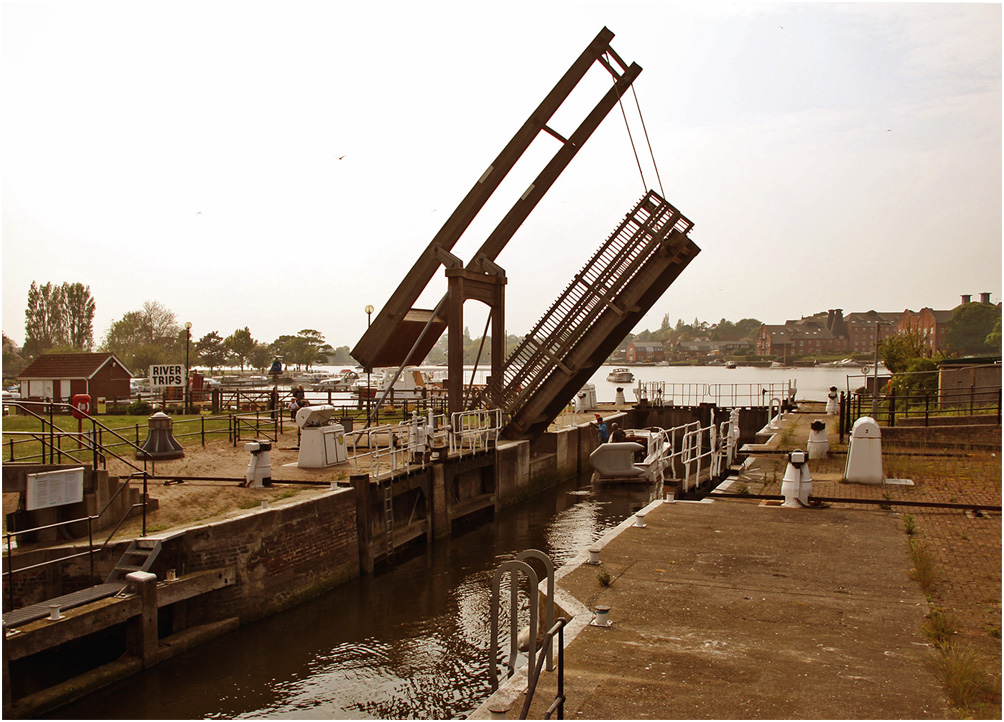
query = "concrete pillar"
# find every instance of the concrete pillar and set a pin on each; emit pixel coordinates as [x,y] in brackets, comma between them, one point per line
[142,636]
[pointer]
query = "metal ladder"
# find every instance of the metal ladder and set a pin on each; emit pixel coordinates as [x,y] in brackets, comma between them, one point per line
[388,516]
[138,557]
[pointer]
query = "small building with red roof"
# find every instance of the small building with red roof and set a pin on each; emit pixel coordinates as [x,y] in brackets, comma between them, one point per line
[58,376]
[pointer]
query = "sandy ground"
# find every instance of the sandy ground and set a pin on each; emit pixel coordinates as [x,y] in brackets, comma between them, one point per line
[185,496]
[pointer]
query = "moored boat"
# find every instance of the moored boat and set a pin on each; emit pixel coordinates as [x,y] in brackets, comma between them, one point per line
[620,376]
[641,458]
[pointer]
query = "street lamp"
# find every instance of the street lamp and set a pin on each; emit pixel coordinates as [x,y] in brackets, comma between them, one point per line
[369,391]
[188,342]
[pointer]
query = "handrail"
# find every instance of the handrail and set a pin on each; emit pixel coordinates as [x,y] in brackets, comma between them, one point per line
[90,519]
[92,443]
[559,698]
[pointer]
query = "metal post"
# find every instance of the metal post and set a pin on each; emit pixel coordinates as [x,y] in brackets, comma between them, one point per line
[52,438]
[369,415]
[188,343]
[90,546]
[875,373]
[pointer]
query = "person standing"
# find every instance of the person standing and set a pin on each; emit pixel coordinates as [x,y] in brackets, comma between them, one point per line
[601,429]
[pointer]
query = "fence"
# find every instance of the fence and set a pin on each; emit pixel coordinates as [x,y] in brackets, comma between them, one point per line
[661,393]
[694,449]
[933,406]
[10,537]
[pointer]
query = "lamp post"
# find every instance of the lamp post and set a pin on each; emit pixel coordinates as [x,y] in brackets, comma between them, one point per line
[369,391]
[188,343]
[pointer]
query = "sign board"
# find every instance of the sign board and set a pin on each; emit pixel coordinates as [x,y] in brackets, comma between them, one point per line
[167,375]
[54,488]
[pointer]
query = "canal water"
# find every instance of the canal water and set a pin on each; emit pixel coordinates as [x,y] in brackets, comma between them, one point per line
[407,642]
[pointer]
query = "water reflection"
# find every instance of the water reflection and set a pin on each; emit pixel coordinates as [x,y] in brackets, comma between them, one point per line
[410,642]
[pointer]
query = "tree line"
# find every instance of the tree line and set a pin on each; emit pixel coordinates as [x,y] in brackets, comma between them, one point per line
[60,319]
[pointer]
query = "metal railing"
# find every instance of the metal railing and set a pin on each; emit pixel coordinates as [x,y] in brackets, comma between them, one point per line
[474,430]
[392,447]
[931,405]
[10,537]
[558,705]
[661,393]
[50,438]
[694,449]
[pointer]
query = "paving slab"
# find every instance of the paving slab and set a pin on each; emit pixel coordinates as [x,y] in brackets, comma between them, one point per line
[736,610]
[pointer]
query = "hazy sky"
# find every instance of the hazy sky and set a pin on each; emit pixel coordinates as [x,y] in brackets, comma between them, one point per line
[281,165]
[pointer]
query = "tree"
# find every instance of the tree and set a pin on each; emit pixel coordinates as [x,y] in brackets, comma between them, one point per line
[899,350]
[79,315]
[921,374]
[969,327]
[240,344]
[150,335]
[994,337]
[210,350]
[341,356]
[12,361]
[44,321]
[59,316]
[261,356]
[310,347]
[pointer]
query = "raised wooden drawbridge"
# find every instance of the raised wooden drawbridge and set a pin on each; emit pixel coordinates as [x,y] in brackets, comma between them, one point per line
[601,305]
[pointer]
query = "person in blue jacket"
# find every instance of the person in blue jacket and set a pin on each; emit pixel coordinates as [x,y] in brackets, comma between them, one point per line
[601,428]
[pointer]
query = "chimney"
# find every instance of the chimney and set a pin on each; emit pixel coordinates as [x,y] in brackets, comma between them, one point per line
[984,298]
[839,327]
[967,298]
[829,320]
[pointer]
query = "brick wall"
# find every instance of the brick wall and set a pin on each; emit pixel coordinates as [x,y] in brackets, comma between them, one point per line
[283,556]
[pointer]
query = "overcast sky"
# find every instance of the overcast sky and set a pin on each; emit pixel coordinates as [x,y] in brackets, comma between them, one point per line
[280,165]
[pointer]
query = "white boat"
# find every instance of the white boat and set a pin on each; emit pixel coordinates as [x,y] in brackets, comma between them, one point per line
[410,384]
[641,459]
[346,380]
[620,376]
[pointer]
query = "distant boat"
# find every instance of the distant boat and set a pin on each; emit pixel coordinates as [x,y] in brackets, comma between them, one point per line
[731,364]
[620,376]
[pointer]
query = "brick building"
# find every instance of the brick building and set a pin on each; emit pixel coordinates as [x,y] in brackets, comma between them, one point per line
[645,352]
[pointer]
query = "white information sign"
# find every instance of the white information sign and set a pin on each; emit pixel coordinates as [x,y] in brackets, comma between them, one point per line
[54,488]
[167,375]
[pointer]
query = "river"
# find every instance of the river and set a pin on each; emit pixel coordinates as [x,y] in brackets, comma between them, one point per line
[407,642]
[813,383]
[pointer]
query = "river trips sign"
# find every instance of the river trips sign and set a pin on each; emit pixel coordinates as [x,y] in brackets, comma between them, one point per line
[162,375]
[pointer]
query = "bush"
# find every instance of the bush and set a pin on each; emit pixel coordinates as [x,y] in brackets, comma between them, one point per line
[139,408]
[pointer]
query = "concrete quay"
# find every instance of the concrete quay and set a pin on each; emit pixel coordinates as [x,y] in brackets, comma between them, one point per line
[730,608]
[739,610]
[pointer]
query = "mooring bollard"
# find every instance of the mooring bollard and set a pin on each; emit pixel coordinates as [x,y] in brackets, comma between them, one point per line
[594,556]
[601,617]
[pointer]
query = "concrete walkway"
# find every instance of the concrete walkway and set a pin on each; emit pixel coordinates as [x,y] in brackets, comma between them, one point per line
[734,609]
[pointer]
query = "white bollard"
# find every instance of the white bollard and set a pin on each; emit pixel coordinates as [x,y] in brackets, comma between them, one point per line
[818,445]
[792,481]
[601,617]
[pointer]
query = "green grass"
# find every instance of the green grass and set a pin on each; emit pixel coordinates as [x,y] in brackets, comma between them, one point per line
[134,429]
